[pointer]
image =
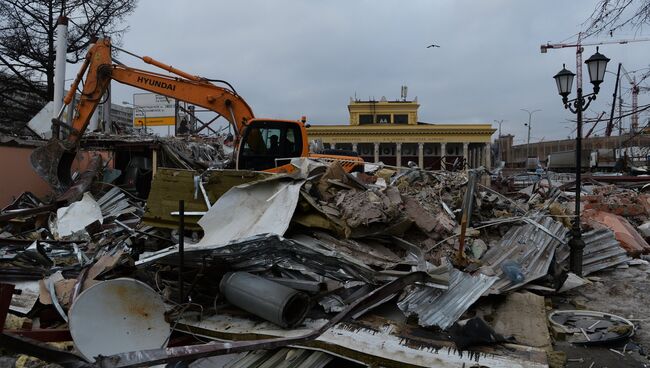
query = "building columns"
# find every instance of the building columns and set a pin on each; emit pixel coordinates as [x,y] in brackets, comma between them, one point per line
[466,153]
[421,155]
[472,158]
[443,154]
[376,152]
[398,154]
[488,158]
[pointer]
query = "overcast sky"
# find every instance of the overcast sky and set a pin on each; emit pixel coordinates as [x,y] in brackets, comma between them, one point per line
[290,58]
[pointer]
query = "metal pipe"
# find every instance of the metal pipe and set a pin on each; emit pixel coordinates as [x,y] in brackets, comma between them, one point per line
[610,125]
[106,116]
[274,302]
[304,285]
[181,248]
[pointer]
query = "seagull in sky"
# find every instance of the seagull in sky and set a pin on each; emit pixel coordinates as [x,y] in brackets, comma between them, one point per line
[432,46]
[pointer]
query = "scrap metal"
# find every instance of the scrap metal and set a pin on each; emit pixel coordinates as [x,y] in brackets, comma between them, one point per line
[468,202]
[435,307]
[258,208]
[282,358]
[264,298]
[374,342]
[174,354]
[529,246]
[269,250]
[602,251]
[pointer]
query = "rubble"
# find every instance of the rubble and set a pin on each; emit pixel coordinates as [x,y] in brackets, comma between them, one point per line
[428,265]
[625,233]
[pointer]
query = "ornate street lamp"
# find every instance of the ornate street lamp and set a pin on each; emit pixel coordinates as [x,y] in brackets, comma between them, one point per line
[596,65]
[564,81]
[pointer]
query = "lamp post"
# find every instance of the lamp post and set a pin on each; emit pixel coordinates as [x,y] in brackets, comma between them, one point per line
[144,113]
[530,114]
[596,65]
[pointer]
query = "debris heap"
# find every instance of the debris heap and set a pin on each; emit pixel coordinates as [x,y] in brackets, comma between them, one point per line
[420,263]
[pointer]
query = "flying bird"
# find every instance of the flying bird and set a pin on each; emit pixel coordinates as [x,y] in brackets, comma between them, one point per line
[432,46]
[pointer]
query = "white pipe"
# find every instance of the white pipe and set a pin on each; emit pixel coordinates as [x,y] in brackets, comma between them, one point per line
[59,66]
[106,117]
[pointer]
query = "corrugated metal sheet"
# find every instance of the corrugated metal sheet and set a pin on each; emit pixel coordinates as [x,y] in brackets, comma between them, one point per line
[282,358]
[262,252]
[435,307]
[602,250]
[531,245]
[380,343]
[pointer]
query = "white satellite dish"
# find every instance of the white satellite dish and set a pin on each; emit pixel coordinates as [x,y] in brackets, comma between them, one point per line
[117,316]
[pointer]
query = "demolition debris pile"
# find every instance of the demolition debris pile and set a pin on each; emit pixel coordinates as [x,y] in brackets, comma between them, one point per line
[381,268]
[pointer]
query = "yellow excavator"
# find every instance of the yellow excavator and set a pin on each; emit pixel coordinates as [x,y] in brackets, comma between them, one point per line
[260,144]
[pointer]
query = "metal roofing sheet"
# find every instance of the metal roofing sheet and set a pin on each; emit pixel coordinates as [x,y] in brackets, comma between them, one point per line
[436,307]
[281,358]
[602,250]
[531,245]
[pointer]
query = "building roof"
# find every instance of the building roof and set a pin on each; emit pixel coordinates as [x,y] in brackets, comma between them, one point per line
[420,132]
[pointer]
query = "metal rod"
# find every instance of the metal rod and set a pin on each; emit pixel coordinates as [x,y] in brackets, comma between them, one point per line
[181,247]
[610,125]
[232,116]
[204,125]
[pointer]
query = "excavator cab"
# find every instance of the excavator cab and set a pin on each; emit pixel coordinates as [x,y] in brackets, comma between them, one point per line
[269,144]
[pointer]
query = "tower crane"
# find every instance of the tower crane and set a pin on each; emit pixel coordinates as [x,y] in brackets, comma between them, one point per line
[636,88]
[578,45]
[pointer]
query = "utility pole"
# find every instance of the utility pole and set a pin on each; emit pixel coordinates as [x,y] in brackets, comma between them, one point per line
[499,139]
[530,114]
[59,71]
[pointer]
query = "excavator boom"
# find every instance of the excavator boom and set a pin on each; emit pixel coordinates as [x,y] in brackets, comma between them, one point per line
[53,161]
[261,143]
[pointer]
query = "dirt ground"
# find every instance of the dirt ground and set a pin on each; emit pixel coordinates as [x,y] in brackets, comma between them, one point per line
[624,292]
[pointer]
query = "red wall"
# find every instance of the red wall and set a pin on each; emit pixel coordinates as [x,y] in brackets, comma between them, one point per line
[17,175]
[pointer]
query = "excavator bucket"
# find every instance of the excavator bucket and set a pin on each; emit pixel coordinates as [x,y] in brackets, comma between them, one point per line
[53,162]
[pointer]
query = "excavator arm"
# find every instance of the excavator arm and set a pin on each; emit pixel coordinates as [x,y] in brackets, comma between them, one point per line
[54,160]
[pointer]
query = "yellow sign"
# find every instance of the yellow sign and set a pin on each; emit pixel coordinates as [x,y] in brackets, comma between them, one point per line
[161,121]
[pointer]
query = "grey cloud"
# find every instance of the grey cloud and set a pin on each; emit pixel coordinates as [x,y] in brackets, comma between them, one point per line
[292,58]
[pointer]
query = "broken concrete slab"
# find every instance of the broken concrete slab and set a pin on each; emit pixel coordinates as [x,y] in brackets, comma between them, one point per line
[523,315]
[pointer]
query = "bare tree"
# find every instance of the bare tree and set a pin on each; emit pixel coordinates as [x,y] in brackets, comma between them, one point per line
[610,15]
[28,34]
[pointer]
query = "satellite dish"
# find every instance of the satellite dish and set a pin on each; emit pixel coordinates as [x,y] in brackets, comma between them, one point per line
[117,316]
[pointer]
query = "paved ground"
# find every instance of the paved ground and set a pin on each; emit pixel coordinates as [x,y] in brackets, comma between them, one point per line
[624,292]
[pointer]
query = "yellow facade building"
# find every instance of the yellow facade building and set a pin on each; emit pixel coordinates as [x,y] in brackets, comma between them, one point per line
[389,131]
